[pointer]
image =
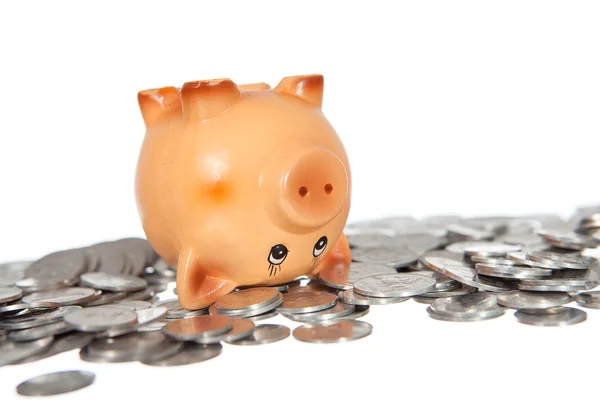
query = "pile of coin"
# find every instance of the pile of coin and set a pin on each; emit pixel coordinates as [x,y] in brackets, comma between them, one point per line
[116,303]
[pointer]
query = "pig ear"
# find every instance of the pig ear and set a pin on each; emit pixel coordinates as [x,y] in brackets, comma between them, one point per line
[254,86]
[159,105]
[203,100]
[195,288]
[307,87]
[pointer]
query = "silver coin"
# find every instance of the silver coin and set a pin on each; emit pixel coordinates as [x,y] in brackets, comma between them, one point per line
[564,317]
[305,302]
[38,332]
[264,334]
[142,295]
[568,239]
[250,313]
[462,290]
[145,317]
[61,265]
[113,282]
[12,272]
[240,329]
[64,297]
[102,318]
[560,260]
[190,353]
[311,286]
[460,247]
[394,285]
[106,257]
[31,320]
[474,303]
[376,238]
[588,299]
[103,298]
[465,232]
[132,347]
[50,283]
[199,327]
[61,344]
[337,311]
[11,352]
[550,288]
[263,316]
[511,272]
[442,282]
[461,272]
[359,312]
[9,294]
[491,249]
[499,311]
[247,299]
[340,277]
[333,332]
[493,261]
[178,312]
[395,257]
[134,305]
[23,308]
[521,258]
[56,383]
[532,300]
[350,297]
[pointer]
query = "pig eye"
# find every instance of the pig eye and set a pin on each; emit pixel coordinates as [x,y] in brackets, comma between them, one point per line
[320,246]
[278,253]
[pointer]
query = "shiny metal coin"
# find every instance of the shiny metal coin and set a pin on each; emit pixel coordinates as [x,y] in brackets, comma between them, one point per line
[394,285]
[106,257]
[263,316]
[64,297]
[142,295]
[104,298]
[564,316]
[61,265]
[190,353]
[61,344]
[442,282]
[30,285]
[493,261]
[377,237]
[56,383]
[212,310]
[113,282]
[423,300]
[350,297]
[178,312]
[550,288]
[337,311]
[133,305]
[153,326]
[490,249]
[9,294]
[127,348]
[144,318]
[394,257]
[199,327]
[560,260]
[498,312]
[333,332]
[240,329]
[464,289]
[98,319]
[38,332]
[568,239]
[340,277]
[247,299]
[12,272]
[305,302]
[532,300]
[511,272]
[264,334]
[521,258]
[359,312]
[312,286]
[588,299]
[11,352]
[32,320]
[461,272]
[474,303]
[461,247]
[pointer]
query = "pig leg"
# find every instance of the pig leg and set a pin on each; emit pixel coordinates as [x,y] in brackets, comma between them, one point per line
[195,288]
[340,254]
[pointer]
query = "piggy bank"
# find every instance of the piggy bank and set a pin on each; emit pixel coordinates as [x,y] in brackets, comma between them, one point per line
[241,185]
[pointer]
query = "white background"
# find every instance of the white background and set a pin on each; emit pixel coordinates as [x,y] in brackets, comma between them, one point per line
[456,107]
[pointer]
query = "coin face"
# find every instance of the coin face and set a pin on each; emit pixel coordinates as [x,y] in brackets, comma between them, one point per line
[304,302]
[351,297]
[342,277]
[264,334]
[394,285]
[113,282]
[519,299]
[247,299]
[395,257]
[474,303]
[337,332]
[562,316]
[56,383]
[38,332]
[196,328]
[64,297]
[240,329]
[101,318]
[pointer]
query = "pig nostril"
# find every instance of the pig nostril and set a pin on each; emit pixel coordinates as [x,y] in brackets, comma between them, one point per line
[328,188]
[303,191]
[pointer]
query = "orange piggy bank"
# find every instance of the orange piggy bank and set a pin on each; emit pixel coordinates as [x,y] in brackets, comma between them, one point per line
[241,185]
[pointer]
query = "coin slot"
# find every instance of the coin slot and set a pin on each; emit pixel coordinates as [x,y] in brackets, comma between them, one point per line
[303,191]
[328,188]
